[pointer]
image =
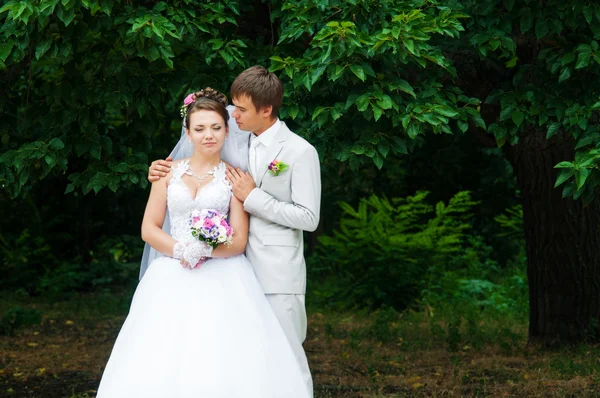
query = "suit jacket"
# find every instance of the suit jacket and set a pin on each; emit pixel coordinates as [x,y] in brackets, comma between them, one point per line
[281,207]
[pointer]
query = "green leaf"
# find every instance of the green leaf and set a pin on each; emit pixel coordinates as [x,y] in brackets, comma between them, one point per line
[385,102]
[563,176]
[378,160]
[358,71]
[564,165]
[66,16]
[50,160]
[41,48]
[581,176]
[399,145]
[526,20]
[384,148]
[56,144]
[317,112]
[588,14]
[583,60]
[8,6]
[317,73]
[362,102]
[377,111]
[554,127]
[509,4]
[404,86]
[569,189]
[565,74]
[541,28]
[5,49]
[511,63]
[413,130]
[95,150]
[518,117]
[463,125]
[445,111]
[506,113]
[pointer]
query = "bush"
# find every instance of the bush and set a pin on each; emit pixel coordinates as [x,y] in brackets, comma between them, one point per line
[404,252]
[383,250]
[115,262]
[16,317]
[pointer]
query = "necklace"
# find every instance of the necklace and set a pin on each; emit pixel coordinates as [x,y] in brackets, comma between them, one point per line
[202,177]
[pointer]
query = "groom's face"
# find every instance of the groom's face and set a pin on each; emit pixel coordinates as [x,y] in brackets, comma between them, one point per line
[246,115]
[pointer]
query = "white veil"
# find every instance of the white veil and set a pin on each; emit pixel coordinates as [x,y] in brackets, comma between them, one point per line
[235,152]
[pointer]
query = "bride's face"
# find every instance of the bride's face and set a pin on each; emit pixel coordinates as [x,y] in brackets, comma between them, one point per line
[207,131]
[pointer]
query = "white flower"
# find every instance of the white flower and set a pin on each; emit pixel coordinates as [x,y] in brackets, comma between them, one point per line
[222,234]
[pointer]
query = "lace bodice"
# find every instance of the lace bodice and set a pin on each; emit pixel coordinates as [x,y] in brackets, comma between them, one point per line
[216,194]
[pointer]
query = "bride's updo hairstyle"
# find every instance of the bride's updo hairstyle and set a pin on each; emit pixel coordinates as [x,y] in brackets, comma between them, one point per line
[208,100]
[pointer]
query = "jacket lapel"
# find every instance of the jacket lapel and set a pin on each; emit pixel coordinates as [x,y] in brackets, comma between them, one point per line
[272,153]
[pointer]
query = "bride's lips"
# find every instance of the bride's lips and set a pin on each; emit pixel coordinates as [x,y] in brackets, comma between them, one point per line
[210,144]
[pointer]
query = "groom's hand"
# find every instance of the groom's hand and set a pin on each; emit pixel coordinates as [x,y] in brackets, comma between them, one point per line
[159,168]
[241,183]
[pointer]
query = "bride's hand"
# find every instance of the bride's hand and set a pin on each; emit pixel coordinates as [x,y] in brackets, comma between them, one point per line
[185,264]
[159,168]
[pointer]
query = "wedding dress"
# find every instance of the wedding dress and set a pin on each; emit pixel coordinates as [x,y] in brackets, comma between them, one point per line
[201,333]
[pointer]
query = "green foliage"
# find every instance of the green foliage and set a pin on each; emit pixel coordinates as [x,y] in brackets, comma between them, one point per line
[371,77]
[115,262]
[383,249]
[92,86]
[17,317]
[545,61]
[89,85]
[511,222]
[22,259]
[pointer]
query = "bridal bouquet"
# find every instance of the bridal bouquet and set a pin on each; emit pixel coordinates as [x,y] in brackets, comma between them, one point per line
[211,227]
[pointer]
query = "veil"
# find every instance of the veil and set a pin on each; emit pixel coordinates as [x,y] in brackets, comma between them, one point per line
[234,151]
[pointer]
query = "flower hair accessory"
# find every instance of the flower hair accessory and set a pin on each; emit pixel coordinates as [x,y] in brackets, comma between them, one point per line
[187,102]
[207,92]
[277,166]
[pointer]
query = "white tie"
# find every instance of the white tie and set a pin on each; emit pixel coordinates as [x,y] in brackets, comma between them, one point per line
[254,141]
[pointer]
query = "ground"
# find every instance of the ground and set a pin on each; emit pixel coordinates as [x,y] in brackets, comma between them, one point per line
[352,354]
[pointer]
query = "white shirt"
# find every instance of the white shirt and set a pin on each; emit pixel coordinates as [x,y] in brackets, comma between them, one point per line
[259,145]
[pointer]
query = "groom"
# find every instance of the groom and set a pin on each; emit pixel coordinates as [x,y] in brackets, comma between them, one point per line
[282,194]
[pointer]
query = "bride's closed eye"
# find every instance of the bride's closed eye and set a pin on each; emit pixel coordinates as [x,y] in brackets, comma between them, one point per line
[216,128]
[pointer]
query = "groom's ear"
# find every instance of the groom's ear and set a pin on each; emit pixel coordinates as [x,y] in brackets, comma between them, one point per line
[267,111]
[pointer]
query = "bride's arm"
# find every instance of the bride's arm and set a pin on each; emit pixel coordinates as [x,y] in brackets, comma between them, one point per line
[154,217]
[238,219]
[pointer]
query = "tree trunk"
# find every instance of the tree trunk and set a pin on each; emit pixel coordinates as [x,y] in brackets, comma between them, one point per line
[563,245]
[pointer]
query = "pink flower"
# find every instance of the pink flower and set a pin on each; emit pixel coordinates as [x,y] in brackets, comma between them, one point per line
[229,230]
[224,223]
[208,223]
[189,99]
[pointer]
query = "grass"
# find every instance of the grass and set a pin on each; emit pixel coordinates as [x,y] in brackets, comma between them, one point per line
[381,354]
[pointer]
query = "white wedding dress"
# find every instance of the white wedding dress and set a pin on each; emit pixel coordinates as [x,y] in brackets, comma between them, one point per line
[201,333]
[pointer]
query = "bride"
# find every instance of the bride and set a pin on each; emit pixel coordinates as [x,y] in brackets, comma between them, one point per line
[199,325]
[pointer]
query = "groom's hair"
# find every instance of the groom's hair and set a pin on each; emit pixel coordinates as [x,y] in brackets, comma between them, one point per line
[263,87]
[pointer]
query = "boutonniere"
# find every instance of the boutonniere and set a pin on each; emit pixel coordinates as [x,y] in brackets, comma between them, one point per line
[277,166]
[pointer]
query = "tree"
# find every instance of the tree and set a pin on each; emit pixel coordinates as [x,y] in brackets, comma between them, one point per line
[91,87]
[533,64]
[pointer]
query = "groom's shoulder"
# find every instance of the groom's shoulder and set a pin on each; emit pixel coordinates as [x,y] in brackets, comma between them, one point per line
[298,142]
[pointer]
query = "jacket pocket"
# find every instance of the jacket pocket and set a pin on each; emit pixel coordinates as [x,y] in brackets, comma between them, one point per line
[280,240]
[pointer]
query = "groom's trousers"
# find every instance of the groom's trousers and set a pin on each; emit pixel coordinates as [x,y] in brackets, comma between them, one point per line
[291,313]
